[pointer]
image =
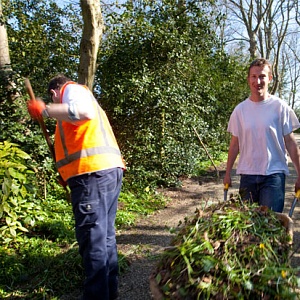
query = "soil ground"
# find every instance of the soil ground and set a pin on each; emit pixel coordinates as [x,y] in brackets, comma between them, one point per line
[148,238]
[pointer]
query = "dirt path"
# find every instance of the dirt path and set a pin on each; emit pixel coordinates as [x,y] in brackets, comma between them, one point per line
[148,238]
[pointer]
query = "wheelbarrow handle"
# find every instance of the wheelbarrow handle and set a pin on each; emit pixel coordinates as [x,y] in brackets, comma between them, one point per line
[226,186]
[296,198]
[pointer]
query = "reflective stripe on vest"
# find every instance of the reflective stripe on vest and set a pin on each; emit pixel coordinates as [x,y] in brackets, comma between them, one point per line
[86,153]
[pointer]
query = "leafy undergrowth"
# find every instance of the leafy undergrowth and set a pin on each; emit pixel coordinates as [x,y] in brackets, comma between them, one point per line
[132,206]
[43,262]
[230,250]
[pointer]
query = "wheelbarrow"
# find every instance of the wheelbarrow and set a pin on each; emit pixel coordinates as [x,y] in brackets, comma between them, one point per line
[226,186]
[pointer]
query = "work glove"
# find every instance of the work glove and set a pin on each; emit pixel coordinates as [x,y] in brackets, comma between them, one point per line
[36,108]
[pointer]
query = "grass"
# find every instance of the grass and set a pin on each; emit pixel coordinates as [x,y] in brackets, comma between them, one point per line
[44,262]
[132,206]
[205,165]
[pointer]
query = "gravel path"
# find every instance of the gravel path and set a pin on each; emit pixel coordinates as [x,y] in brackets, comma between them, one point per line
[145,241]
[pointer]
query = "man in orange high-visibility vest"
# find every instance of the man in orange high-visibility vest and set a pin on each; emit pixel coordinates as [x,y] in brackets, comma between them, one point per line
[89,160]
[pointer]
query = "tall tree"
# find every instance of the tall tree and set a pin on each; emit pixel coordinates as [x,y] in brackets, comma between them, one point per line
[4,49]
[43,40]
[262,26]
[291,59]
[161,74]
[90,41]
[5,64]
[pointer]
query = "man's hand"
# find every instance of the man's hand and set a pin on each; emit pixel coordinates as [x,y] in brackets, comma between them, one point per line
[297,185]
[36,108]
[227,180]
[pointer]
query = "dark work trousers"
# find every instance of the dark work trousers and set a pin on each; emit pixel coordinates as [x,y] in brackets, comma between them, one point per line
[266,190]
[95,200]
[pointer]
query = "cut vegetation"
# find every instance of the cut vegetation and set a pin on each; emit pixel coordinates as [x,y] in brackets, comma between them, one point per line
[230,250]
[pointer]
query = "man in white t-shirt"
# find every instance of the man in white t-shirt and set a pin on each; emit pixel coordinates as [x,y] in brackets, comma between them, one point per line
[262,130]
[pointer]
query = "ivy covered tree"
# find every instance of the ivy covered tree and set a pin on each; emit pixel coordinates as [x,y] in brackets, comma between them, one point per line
[162,73]
[43,39]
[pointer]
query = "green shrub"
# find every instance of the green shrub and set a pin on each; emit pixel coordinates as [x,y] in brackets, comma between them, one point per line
[18,202]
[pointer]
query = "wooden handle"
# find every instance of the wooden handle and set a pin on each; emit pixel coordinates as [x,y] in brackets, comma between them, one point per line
[29,89]
[46,135]
[40,120]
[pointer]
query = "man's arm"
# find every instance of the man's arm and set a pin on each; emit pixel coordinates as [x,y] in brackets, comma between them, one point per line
[232,155]
[293,150]
[71,112]
[77,106]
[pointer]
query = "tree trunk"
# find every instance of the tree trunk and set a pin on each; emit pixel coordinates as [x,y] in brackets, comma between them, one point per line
[4,49]
[267,25]
[5,64]
[90,41]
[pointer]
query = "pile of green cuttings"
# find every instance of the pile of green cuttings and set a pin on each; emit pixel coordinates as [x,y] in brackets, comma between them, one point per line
[230,250]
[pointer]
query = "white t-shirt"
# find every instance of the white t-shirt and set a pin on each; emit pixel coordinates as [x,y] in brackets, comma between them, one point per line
[260,128]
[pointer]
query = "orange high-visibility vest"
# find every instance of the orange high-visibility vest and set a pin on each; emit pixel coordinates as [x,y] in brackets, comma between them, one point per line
[88,147]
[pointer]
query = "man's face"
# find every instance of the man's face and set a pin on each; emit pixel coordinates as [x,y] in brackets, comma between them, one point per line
[258,80]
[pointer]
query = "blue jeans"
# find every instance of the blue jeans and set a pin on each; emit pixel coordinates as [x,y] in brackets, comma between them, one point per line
[267,190]
[95,200]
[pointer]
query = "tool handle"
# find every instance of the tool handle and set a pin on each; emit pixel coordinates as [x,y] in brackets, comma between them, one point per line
[226,186]
[29,89]
[45,133]
[297,196]
[293,207]
[40,120]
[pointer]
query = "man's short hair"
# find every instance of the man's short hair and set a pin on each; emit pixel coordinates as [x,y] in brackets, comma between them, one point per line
[260,62]
[57,82]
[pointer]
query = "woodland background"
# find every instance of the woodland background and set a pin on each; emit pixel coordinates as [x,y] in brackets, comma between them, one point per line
[168,73]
